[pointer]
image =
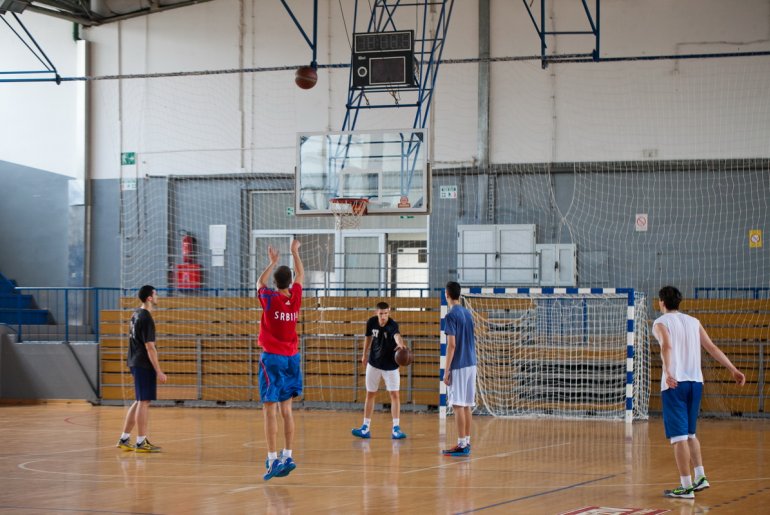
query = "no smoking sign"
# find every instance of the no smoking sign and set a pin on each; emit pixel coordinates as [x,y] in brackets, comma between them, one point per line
[641,222]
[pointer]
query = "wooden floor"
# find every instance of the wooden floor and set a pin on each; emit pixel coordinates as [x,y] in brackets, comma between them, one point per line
[61,458]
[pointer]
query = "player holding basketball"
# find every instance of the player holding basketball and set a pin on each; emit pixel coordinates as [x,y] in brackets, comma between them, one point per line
[460,373]
[280,378]
[681,338]
[382,340]
[145,368]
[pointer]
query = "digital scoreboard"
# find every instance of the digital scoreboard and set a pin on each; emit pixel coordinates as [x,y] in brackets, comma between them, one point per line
[383,58]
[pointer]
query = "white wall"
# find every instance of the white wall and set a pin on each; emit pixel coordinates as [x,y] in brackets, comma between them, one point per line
[228,122]
[37,120]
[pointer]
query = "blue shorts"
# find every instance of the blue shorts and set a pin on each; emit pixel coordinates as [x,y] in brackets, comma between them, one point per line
[145,383]
[280,377]
[680,408]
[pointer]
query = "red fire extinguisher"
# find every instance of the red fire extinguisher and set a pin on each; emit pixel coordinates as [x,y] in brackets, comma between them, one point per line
[188,273]
[188,247]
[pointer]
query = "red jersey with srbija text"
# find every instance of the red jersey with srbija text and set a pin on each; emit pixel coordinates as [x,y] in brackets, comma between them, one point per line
[278,328]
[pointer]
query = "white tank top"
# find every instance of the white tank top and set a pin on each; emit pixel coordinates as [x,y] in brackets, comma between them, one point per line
[684,333]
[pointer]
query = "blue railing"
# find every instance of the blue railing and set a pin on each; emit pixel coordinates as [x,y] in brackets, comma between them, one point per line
[729,292]
[73,312]
[309,291]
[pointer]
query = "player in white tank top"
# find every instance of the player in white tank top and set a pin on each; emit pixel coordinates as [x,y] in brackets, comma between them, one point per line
[681,338]
[685,359]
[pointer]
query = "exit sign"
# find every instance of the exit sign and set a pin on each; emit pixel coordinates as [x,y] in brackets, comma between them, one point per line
[128,158]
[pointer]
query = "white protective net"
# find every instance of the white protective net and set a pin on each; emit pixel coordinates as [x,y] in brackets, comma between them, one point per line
[577,152]
[559,354]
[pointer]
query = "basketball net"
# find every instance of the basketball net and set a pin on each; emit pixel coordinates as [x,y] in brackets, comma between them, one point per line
[348,212]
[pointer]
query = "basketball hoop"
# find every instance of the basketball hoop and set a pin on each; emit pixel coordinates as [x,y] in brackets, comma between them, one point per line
[348,212]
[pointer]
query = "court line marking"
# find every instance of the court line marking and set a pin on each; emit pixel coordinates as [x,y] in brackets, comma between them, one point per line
[500,455]
[304,486]
[536,495]
[24,466]
[79,510]
[44,454]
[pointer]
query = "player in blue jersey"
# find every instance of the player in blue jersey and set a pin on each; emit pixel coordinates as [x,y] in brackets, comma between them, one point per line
[460,373]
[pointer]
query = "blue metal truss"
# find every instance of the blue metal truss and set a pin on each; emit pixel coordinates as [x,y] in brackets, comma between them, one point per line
[47,74]
[543,33]
[428,51]
[380,16]
[313,44]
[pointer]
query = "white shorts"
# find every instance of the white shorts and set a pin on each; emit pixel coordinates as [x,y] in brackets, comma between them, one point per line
[462,391]
[373,376]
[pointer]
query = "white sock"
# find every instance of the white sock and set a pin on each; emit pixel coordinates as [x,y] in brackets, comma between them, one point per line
[461,442]
[286,453]
[125,435]
[395,422]
[467,440]
[140,439]
[699,472]
[272,456]
[686,481]
[368,422]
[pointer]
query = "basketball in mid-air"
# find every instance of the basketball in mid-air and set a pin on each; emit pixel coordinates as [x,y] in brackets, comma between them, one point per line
[305,77]
[404,357]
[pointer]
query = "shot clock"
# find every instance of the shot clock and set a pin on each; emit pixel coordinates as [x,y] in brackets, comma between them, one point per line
[383,59]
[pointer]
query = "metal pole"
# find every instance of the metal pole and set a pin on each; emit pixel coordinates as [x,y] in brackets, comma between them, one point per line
[66,315]
[96,314]
[199,367]
[18,315]
[761,379]
[543,62]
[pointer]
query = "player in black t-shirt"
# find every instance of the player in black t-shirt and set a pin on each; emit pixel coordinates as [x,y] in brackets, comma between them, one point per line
[382,340]
[145,367]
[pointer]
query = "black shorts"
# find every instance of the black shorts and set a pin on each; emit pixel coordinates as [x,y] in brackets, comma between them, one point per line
[145,383]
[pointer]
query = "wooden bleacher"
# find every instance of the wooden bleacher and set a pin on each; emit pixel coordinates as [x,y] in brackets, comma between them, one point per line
[741,328]
[207,347]
[334,343]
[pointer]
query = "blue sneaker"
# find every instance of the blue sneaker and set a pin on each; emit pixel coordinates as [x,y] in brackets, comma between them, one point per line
[287,465]
[397,434]
[274,469]
[362,432]
[458,451]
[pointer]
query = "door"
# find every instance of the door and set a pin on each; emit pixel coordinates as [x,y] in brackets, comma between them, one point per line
[477,253]
[361,264]
[497,254]
[518,261]
[557,264]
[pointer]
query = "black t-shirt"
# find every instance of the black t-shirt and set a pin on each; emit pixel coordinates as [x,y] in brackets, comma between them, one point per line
[382,353]
[141,331]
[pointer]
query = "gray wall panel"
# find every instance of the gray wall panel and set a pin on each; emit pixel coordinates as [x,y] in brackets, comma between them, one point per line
[48,370]
[34,213]
[105,233]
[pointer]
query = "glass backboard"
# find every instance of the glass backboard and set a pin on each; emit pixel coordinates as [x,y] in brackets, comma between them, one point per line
[389,168]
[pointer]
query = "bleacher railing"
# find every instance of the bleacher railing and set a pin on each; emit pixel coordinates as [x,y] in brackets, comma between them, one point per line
[73,313]
[729,292]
